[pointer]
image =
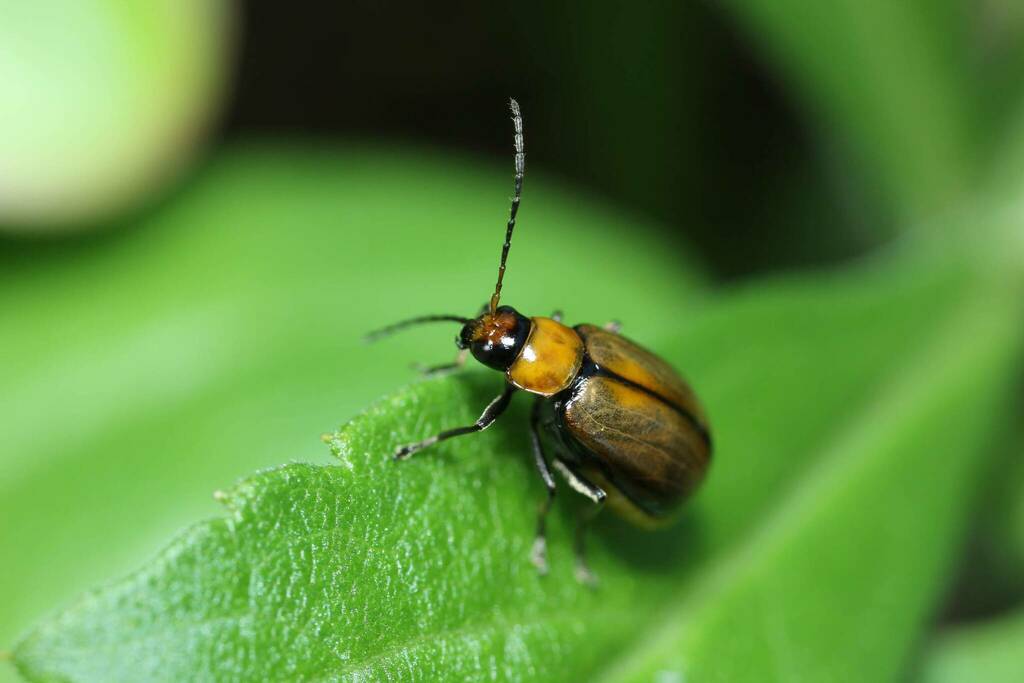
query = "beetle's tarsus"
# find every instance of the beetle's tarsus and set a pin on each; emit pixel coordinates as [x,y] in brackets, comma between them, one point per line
[584,575]
[539,555]
[613,326]
[403,452]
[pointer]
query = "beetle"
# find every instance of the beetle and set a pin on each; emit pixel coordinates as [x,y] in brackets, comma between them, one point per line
[628,431]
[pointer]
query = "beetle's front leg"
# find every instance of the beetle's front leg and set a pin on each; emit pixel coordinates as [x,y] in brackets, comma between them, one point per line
[490,414]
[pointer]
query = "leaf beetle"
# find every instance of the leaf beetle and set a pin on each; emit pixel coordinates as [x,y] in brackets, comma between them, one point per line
[628,430]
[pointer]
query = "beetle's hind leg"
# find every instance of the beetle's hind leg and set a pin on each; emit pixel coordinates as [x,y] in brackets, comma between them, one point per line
[493,411]
[596,494]
[539,553]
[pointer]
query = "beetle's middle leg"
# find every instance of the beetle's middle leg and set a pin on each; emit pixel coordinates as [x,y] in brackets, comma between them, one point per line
[539,553]
[596,494]
[583,573]
[493,411]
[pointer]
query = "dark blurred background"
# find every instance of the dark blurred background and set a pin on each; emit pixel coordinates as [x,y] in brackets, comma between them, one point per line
[663,107]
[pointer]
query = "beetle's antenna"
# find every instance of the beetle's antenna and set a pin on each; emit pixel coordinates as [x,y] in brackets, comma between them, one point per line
[402,324]
[517,124]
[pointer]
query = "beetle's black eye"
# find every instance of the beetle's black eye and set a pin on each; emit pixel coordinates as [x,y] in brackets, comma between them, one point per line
[495,340]
[465,337]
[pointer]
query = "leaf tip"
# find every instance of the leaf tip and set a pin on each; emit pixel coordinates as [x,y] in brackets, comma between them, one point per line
[339,448]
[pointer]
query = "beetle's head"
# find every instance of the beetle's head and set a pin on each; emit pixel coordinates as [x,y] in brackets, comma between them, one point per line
[495,339]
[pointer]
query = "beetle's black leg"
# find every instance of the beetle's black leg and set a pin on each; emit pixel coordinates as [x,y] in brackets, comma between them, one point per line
[598,496]
[429,370]
[539,553]
[613,326]
[556,316]
[583,573]
[490,414]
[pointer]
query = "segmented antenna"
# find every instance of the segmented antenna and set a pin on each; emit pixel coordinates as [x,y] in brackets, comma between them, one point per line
[401,325]
[517,124]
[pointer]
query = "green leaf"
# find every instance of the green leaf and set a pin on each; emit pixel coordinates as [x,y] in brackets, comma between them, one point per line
[891,78]
[851,415]
[143,368]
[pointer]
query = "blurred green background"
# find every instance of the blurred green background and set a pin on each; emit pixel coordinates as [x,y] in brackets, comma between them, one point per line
[204,205]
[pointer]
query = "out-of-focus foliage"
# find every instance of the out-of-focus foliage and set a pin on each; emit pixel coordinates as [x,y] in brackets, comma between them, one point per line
[892,78]
[102,102]
[992,579]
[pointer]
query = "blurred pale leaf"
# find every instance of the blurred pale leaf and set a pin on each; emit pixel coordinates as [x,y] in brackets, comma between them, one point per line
[103,101]
[142,369]
[851,413]
[989,652]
